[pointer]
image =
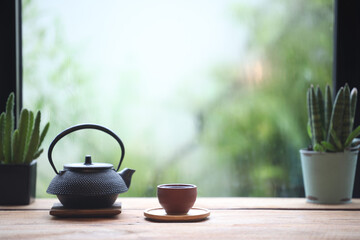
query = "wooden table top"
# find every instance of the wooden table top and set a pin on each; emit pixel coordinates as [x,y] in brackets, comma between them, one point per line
[231,218]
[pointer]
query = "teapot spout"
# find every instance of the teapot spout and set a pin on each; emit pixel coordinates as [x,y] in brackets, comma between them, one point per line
[126,175]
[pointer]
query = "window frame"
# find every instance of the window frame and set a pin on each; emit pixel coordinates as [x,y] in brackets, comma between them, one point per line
[345,64]
[11,53]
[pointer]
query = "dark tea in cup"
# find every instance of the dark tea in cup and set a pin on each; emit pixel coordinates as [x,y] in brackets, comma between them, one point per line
[177,198]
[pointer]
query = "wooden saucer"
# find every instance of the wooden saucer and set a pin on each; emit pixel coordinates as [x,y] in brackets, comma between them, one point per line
[159,214]
[58,210]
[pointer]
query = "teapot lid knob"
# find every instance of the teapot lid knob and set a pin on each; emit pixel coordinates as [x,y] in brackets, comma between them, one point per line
[88,165]
[88,160]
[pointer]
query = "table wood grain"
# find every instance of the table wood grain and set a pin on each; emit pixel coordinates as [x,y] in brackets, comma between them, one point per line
[231,218]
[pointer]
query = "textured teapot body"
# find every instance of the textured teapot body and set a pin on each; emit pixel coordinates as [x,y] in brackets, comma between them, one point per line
[88,189]
[89,185]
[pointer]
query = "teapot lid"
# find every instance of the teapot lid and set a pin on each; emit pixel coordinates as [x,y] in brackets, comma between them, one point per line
[88,165]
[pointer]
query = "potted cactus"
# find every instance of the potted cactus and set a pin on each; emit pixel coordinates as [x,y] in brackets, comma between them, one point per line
[329,163]
[19,149]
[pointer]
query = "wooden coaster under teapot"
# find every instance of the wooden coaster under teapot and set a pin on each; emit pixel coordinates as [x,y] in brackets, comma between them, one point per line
[58,210]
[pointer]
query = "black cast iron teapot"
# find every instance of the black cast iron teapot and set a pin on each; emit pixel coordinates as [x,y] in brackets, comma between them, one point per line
[89,185]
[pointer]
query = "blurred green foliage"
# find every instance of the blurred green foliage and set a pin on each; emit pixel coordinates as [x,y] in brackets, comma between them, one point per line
[247,139]
[260,124]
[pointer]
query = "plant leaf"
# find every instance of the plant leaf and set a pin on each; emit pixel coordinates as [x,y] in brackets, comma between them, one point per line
[309,130]
[353,99]
[328,110]
[352,135]
[15,147]
[43,133]
[37,154]
[336,140]
[23,132]
[29,132]
[310,116]
[328,146]
[318,148]
[34,141]
[320,102]
[337,116]
[315,117]
[345,129]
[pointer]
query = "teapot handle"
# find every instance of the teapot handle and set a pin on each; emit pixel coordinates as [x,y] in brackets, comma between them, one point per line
[85,126]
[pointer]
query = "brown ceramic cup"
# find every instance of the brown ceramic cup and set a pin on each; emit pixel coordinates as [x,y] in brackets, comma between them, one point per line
[177,198]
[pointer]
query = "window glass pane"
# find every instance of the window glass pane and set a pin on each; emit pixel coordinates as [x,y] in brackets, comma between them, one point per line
[204,92]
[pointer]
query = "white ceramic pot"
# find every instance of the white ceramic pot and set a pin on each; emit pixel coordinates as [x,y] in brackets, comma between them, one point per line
[328,177]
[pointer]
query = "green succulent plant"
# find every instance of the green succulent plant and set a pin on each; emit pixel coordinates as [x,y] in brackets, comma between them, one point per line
[330,124]
[20,145]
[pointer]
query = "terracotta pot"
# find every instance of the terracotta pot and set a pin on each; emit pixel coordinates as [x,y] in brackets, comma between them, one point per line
[328,177]
[177,199]
[17,183]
